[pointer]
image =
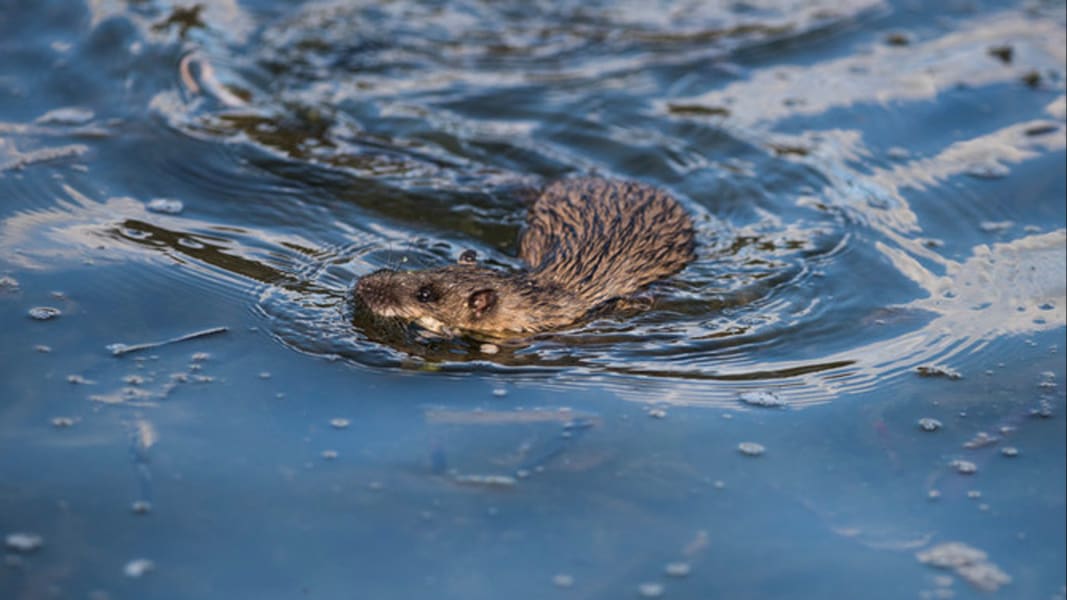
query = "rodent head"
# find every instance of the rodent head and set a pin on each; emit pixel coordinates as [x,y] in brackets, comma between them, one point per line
[461,297]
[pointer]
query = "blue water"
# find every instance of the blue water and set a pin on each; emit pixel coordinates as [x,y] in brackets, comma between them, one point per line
[878,189]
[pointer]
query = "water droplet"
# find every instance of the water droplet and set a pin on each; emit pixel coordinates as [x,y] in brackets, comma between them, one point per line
[44,313]
[751,448]
[928,424]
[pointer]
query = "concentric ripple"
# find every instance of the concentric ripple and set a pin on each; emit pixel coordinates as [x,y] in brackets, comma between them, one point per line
[313,147]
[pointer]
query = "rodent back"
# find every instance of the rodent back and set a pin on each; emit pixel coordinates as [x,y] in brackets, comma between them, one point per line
[602,239]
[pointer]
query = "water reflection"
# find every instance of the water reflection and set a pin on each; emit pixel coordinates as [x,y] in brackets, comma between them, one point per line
[346,139]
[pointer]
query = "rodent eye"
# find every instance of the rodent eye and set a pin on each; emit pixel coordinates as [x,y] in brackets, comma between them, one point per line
[426,294]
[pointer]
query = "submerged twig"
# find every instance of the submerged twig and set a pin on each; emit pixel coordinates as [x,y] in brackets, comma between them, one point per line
[120,349]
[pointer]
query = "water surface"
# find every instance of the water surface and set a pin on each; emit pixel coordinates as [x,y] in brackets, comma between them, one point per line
[878,191]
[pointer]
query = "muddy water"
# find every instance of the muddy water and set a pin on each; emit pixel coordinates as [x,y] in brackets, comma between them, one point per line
[878,191]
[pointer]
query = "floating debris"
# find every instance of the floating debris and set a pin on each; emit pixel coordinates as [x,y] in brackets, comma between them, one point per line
[929,424]
[500,392]
[120,349]
[23,542]
[1004,53]
[677,569]
[8,285]
[489,348]
[62,422]
[79,380]
[340,423]
[1032,79]
[938,371]
[138,567]
[751,449]
[898,39]
[141,507]
[650,590]
[762,398]
[165,205]
[1010,451]
[498,481]
[1041,129]
[657,413]
[981,440]
[964,467]
[951,555]
[329,454]
[264,375]
[44,313]
[971,564]
[42,348]
[697,110]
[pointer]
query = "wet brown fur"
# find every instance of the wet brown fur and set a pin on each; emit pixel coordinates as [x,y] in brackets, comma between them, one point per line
[586,242]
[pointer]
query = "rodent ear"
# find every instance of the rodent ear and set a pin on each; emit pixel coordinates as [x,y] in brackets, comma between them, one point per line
[481,301]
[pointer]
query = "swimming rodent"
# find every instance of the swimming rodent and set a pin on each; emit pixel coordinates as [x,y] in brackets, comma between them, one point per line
[586,242]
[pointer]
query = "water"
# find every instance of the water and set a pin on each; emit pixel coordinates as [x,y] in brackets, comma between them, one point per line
[878,191]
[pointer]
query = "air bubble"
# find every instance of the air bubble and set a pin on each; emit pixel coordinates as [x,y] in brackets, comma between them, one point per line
[44,313]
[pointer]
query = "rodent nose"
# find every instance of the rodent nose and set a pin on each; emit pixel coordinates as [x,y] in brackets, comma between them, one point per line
[372,288]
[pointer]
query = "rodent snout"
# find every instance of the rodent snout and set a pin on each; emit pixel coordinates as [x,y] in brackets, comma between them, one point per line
[374,290]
